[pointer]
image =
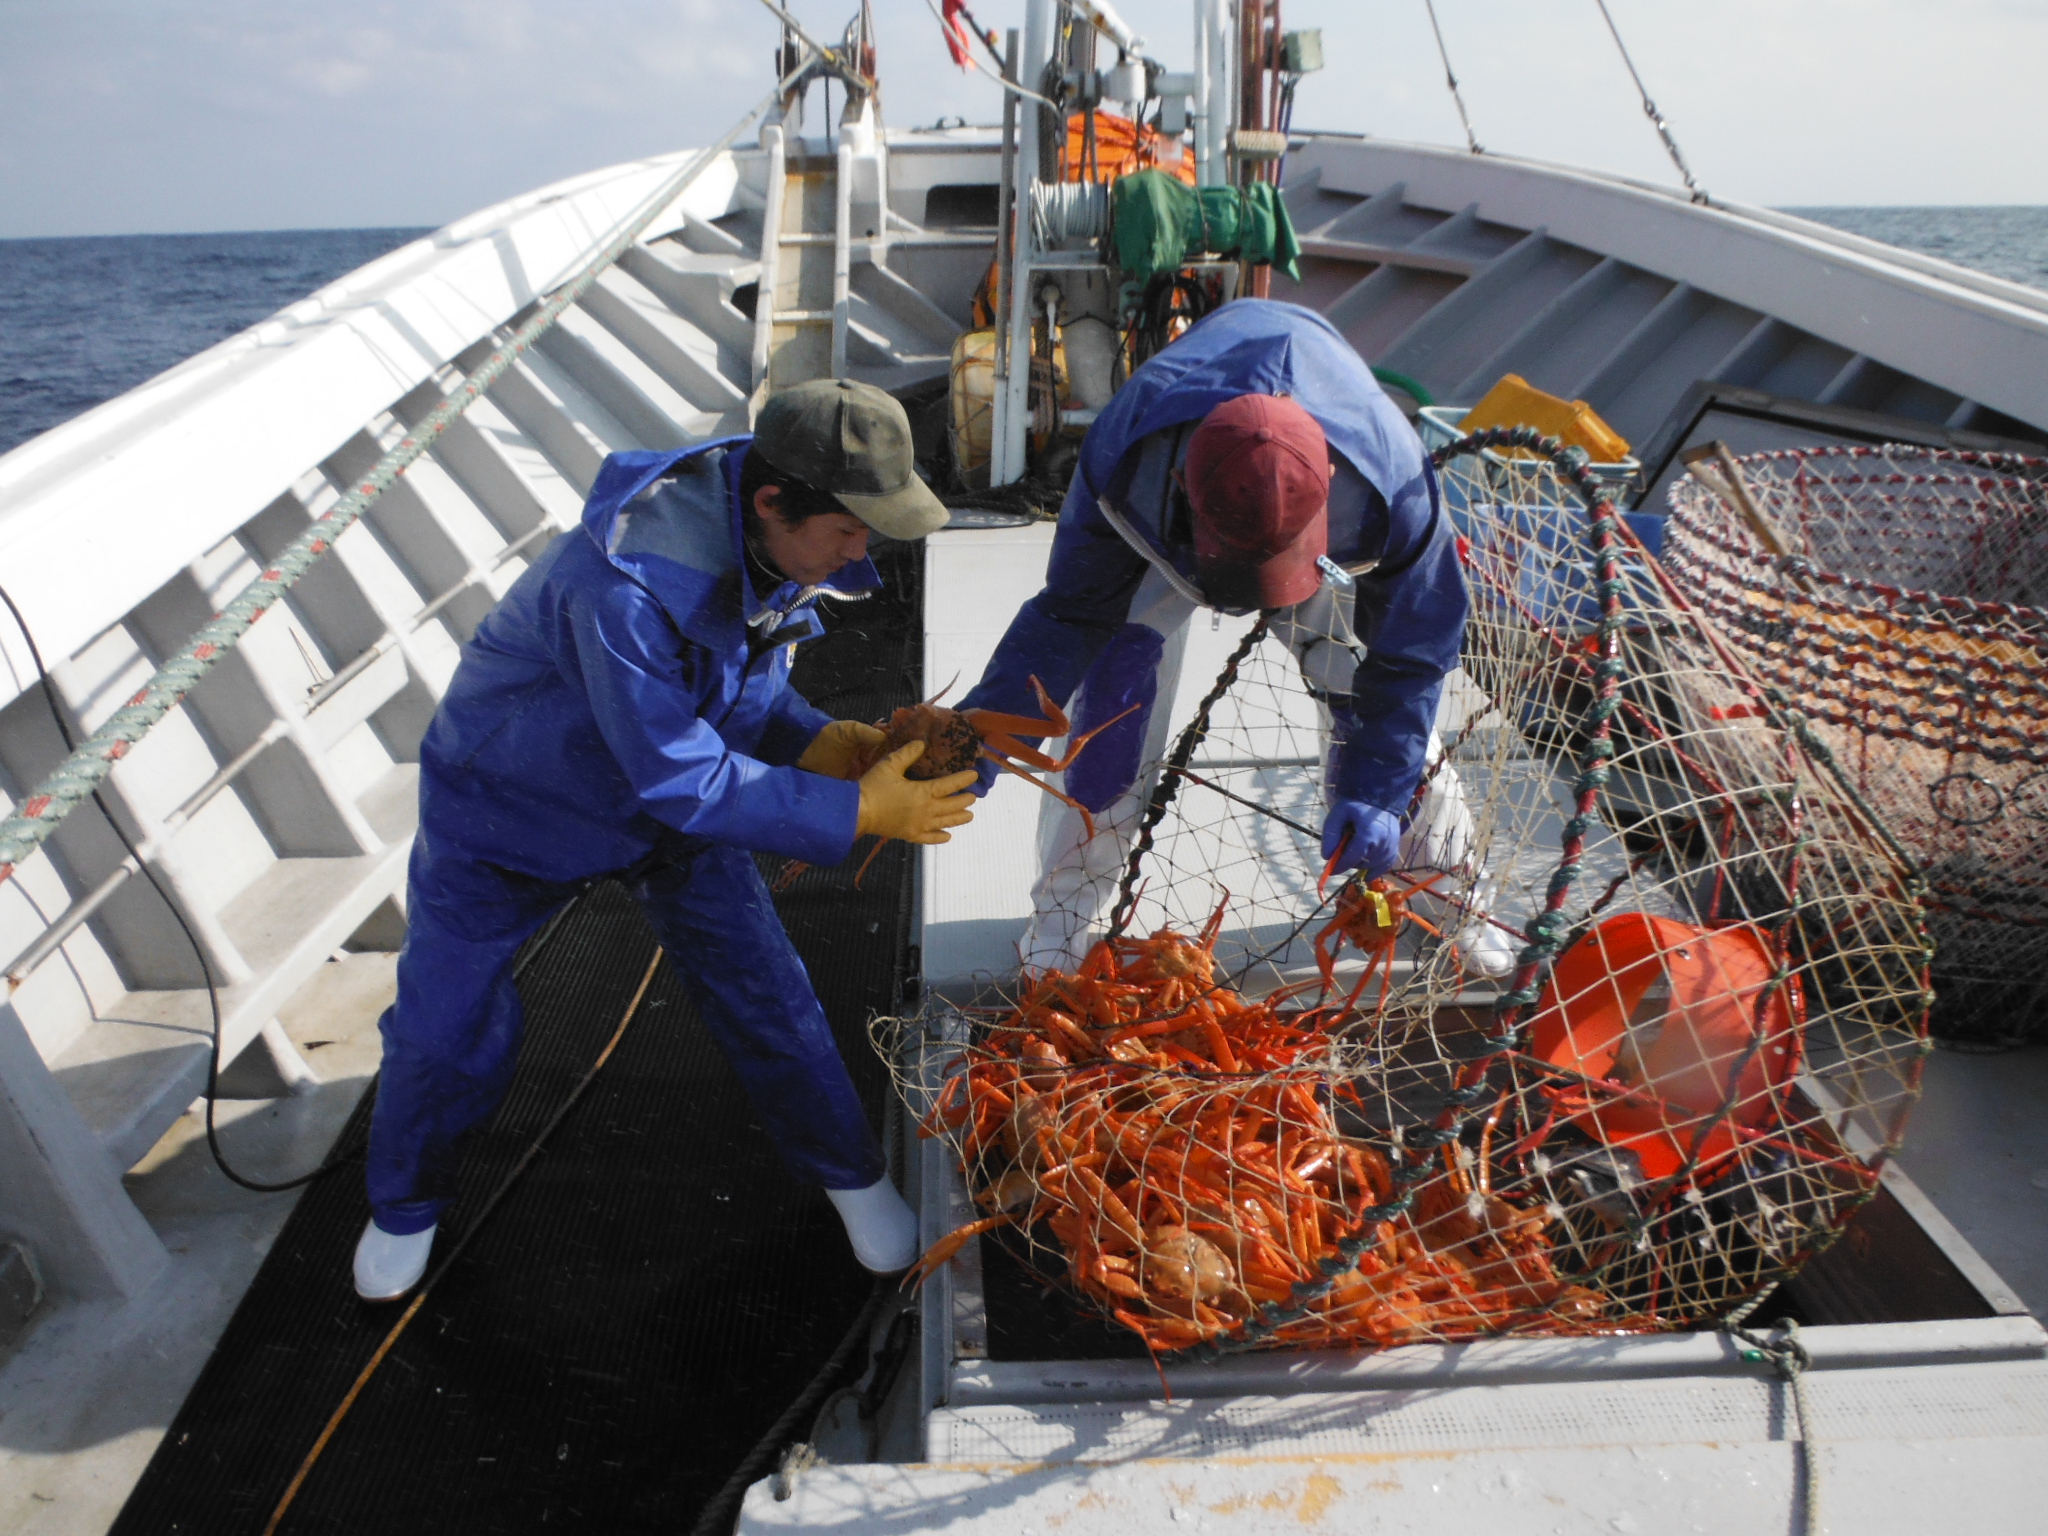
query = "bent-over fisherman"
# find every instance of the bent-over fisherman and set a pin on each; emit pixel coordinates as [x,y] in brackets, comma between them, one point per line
[626,711]
[1254,464]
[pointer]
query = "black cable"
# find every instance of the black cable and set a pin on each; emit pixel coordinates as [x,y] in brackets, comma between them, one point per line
[334,1157]
[723,1507]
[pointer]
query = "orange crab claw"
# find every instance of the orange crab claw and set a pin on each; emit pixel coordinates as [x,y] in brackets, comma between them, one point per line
[1050,721]
[946,1248]
[1000,732]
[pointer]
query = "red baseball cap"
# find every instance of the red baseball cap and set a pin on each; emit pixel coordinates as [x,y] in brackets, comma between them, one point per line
[1258,478]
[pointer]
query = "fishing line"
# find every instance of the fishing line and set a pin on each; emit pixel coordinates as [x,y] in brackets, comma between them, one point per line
[335,1157]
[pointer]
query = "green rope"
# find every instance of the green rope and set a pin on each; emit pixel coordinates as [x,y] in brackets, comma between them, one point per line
[75,779]
[1789,1357]
[1406,384]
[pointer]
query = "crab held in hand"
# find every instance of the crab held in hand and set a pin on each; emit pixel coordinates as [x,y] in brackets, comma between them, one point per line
[955,739]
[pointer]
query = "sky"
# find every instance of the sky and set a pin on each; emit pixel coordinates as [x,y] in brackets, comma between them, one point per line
[126,116]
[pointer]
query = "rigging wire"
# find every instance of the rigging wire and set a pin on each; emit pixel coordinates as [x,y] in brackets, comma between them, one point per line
[834,59]
[1000,78]
[1450,79]
[1699,193]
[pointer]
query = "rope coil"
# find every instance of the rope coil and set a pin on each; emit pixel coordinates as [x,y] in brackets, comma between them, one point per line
[1068,210]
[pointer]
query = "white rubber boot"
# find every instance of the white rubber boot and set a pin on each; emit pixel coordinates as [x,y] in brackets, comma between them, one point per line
[882,1229]
[1485,948]
[386,1266]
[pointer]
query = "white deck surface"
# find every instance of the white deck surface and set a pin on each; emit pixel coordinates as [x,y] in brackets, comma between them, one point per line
[88,1393]
[977,889]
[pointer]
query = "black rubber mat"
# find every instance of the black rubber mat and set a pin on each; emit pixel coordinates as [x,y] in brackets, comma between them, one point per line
[642,1306]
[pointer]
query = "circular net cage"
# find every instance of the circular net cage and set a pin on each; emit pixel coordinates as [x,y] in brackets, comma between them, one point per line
[1620,1044]
[1897,598]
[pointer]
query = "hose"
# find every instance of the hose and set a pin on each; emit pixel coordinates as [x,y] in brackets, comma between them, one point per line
[412,1310]
[336,1155]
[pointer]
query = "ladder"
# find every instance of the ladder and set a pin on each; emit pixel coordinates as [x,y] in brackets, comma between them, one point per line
[801,314]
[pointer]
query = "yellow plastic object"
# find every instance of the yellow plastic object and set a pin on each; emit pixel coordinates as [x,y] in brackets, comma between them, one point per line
[1515,402]
[972,400]
[973,404]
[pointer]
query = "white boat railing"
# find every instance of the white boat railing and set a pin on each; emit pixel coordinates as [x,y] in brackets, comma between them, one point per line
[74,780]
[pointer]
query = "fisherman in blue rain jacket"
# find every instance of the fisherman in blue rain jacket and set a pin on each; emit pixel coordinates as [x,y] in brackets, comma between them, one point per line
[1254,464]
[626,710]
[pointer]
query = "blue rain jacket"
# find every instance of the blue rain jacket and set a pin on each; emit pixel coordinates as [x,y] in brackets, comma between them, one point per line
[1409,611]
[633,685]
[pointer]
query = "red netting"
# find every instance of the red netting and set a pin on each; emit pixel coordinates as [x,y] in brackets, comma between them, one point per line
[1907,618]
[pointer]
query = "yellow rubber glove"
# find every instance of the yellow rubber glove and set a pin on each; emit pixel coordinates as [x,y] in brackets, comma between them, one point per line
[842,750]
[915,810]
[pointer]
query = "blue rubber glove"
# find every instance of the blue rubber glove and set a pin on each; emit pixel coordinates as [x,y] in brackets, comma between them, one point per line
[986,771]
[1375,837]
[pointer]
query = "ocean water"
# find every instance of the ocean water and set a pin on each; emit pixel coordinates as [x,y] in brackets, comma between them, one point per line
[84,319]
[2011,243]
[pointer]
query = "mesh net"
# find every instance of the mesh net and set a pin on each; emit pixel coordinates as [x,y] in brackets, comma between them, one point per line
[1621,1043]
[1898,598]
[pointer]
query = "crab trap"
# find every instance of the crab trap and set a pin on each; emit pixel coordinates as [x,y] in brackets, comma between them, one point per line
[1622,1042]
[1897,599]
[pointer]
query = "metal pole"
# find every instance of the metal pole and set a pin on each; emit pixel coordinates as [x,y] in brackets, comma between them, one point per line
[842,253]
[1006,213]
[769,279]
[1013,397]
[1222,62]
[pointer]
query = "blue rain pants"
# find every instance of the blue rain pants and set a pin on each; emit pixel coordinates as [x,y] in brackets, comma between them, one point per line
[452,1038]
[626,711]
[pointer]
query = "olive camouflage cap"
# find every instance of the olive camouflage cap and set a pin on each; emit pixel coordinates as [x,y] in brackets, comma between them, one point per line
[853,441]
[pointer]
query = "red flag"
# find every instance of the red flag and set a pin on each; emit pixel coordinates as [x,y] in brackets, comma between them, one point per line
[954,24]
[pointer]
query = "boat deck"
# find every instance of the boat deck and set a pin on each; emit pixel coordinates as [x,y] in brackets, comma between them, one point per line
[656,1290]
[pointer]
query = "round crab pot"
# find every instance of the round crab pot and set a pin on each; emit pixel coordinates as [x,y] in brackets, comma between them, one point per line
[1904,612]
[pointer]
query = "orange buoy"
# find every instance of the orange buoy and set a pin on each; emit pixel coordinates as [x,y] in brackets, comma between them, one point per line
[1670,1013]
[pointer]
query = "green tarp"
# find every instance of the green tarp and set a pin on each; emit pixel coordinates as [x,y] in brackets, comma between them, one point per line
[1161,223]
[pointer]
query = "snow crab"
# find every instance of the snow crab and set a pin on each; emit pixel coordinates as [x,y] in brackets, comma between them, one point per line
[1371,914]
[956,739]
[1178,1150]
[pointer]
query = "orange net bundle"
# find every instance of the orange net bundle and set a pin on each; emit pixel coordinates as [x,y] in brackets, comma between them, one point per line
[1121,146]
[1620,1044]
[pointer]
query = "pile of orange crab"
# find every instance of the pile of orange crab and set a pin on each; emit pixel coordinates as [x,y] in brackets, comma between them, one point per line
[1178,1147]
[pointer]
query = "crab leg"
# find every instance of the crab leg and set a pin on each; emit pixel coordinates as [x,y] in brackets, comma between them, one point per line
[1006,743]
[1087,821]
[943,1251]
[1002,730]
[1051,722]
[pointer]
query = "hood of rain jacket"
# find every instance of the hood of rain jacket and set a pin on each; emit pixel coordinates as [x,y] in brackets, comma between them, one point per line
[632,686]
